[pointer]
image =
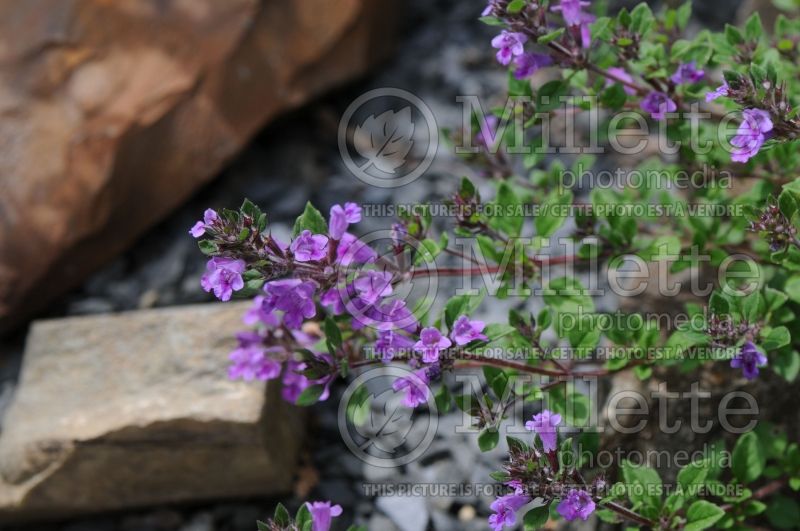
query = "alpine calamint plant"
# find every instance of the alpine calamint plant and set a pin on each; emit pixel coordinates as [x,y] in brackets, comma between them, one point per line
[327,302]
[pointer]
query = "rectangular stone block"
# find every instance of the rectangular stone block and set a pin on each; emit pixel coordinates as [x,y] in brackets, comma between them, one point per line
[134,409]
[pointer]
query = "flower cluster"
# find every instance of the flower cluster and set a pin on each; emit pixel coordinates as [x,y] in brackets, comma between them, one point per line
[532,473]
[313,516]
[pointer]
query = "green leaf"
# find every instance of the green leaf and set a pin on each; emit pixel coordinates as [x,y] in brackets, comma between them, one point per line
[550,37]
[776,338]
[733,35]
[692,476]
[310,395]
[262,526]
[554,212]
[515,6]
[332,333]
[443,400]
[748,458]
[281,516]
[536,518]
[752,28]
[303,517]
[488,439]
[358,406]
[311,219]
[549,95]
[643,485]
[684,13]
[614,97]
[702,515]
[207,247]
[783,512]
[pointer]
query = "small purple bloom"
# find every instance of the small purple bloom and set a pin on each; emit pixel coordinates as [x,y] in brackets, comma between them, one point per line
[308,247]
[391,343]
[510,45]
[622,75]
[577,504]
[749,359]
[256,314]
[718,92]
[658,104]
[223,276]
[430,343]
[415,386]
[292,296]
[687,73]
[505,509]
[351,250]
[322,513]
[372,286]
[751,135]
[572,11]
[517,485]
[488,129]
[251,359]
[544,425]
[528,63]
[294,383]
[341,217]
[465,331]
[199,228]
[333,299]
[490,9]
[392,315]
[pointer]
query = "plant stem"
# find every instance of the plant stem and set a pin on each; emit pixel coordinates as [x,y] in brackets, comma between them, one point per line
[627,513]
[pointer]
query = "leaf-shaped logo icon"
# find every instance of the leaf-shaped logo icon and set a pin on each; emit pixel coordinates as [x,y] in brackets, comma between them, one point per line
[387,427]
[385,140]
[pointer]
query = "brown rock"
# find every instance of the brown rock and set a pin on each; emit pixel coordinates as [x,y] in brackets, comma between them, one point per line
[136,409]
[112,113]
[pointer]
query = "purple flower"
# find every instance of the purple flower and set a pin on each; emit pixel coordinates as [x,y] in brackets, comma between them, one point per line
[251,361]
[199,228]
[322,513]
[488,129]
[430,343]
[749,359]
[577,504]
[517,485]
[292,296]
[351,250]
[223,276]
[505,509]
[256,314]
[390,343]
[621,75]
[465,331]
[528,63]
[509,45]
[392,315]
[415,386]
[718,92]
[751,135]
[572,11]
[687,73]
[294,383]
[333,299]
[372,286]
[544,425]
[658,104]
[490,9]
[341,218]
[307,246]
